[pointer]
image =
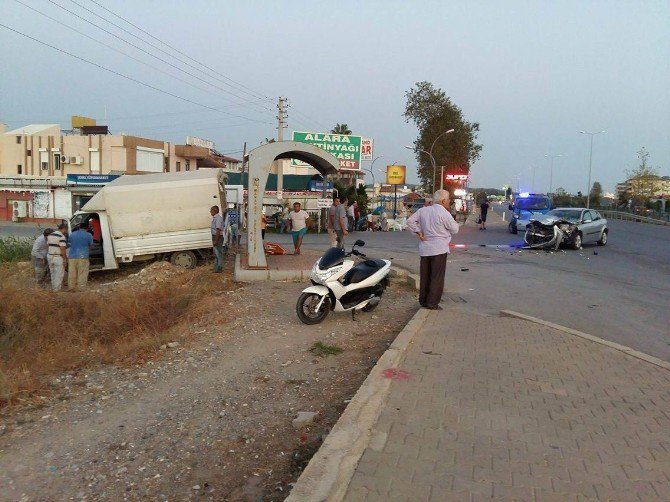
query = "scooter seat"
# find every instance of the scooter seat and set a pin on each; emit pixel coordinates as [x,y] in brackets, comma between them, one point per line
[362,271]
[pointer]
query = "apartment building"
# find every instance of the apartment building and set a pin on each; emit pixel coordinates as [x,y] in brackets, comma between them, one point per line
[47,174]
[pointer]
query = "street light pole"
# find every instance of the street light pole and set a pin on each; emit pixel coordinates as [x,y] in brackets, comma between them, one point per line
[588,190]
[370,170]
[551,170]
[432,159]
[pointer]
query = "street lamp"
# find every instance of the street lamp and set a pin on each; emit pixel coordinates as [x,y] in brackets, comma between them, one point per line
[551,169]
[432,159]
[373,175]
[592,134]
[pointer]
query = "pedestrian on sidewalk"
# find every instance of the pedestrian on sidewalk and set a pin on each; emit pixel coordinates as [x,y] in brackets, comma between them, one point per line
[357,215]
[351,217]
[80,246]
[57,256]
[434,226]
[264,224]
[341,221]
[298,221]
[331,222]
[38,256]
[483,211]
[217,238]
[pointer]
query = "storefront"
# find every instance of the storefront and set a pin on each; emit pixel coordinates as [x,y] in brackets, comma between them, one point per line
[84,186]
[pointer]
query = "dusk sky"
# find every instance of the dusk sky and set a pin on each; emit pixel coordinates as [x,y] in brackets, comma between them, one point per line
[532,74]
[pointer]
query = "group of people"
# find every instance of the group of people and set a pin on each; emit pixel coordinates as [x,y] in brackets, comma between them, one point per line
[55,252]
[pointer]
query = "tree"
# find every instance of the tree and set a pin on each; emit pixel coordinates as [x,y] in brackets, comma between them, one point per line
[433,113]
[341,129]
[596,193]
[643,181]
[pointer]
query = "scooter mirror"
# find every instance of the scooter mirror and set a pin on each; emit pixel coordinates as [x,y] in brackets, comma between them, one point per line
[359,243]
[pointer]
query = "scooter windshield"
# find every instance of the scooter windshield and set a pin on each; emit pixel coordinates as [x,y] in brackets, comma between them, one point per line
[331,258]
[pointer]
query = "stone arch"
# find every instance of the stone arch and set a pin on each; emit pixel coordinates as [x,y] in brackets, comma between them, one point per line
[260,163]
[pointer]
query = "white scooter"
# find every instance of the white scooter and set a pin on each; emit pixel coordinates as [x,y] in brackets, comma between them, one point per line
[340,286]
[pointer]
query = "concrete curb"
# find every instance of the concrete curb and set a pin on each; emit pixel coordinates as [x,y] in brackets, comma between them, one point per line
[403,273]
[622,348]
[245,275]
[328,474]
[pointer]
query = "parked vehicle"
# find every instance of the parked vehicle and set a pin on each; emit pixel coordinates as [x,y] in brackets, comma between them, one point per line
[525,207]
[143,217]
[341,285]
[567,226]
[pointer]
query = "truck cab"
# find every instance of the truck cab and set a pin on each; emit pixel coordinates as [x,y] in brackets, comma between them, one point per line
[526,206]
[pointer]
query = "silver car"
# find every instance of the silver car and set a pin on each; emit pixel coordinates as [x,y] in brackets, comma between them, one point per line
[568,226]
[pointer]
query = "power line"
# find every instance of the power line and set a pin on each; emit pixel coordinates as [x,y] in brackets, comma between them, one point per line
[128,77]
[186,63]
[150,54]
[178,51]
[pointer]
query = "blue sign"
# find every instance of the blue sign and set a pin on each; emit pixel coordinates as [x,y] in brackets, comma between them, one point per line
[90,179]
[317,186]
[233,216]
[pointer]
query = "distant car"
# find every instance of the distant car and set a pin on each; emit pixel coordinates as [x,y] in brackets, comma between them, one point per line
[567,226]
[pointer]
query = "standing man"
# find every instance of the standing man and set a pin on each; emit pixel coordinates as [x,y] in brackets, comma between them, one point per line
[39,256]
[80,245]
[217,238]
[298,221]
[483,212]
[357,215]
[341,221]
[331,222]
[434,225]
[57,256]
[351,216]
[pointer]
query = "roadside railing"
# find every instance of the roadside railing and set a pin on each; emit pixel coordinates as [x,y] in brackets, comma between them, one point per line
[620,215]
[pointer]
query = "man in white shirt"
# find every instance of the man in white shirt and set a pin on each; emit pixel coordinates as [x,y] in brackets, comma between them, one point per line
[298,221]
[434,225]
[331,222]
[39,256]
[57,256]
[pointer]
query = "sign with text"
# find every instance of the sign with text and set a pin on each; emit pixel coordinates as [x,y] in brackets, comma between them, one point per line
[324,203]
[395,175]
[205,143]
[90,179]
[346,148]
[366,149]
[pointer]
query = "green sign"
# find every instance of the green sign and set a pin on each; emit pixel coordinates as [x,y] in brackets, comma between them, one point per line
[346,148]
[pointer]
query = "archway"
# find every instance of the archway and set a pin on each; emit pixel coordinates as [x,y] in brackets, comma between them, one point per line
[260,164]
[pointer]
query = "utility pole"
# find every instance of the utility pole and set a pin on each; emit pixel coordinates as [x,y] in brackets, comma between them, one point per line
[282,105]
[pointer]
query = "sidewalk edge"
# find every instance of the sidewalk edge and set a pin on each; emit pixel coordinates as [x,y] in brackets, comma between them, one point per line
[329,472]
[616,346]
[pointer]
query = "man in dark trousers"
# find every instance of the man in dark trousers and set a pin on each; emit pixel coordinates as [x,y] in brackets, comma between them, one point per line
[434,226]
[483,211]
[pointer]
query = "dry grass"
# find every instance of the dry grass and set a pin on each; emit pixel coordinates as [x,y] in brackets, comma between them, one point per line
[13,249]
[44,333]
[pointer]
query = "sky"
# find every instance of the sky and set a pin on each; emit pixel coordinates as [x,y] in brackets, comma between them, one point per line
[531,73]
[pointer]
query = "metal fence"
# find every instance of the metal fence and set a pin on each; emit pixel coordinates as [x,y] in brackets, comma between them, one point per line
[626,216]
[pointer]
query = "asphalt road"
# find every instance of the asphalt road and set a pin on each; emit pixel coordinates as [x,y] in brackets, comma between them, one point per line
[622,293]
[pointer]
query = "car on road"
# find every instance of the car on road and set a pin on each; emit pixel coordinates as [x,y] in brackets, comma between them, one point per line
[571,226]
[525,207]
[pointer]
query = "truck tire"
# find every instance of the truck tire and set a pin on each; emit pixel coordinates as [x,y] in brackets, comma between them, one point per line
[184,259]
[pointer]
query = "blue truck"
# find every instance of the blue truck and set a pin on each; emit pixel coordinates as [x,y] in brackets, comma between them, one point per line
[524,206]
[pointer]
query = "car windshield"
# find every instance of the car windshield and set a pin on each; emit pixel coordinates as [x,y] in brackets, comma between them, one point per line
[566,214]
[532,203]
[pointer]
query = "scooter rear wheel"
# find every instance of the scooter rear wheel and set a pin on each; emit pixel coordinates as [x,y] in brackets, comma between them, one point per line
[305,308]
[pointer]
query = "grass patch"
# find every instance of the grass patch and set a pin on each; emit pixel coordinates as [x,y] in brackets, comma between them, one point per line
[321,349]
[13,249]
[44,333]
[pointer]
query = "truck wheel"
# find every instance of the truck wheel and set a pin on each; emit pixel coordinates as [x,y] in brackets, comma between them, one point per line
[185,259]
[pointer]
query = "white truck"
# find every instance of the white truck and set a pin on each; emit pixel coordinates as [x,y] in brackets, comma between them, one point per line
[162,216]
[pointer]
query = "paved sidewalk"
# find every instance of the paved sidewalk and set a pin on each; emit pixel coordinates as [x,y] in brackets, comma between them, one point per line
[507,409]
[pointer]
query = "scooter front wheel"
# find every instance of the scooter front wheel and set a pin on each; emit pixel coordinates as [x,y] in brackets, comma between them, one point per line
[306,308]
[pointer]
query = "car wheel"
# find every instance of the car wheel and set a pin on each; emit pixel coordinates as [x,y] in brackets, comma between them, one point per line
[513,229]
[603,238]
[184,259]
[577,243]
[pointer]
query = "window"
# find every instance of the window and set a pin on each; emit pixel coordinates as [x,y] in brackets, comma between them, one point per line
[19,169]
[29,153]
[188,165]
[178,166]
[45,166]
[95,162]
[18,140]
[57,162]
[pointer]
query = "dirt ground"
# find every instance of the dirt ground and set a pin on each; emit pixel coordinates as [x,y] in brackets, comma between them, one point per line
[210,417]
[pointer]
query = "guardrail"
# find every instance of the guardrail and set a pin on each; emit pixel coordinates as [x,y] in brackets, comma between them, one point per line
[619,215]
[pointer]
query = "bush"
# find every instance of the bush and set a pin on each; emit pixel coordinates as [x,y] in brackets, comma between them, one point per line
[13,249]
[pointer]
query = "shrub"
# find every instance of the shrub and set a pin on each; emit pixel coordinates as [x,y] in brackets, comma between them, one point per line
[13,249]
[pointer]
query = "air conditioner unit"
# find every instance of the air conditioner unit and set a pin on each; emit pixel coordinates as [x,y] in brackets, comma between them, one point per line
[20,209]
[77,160]
[64,159]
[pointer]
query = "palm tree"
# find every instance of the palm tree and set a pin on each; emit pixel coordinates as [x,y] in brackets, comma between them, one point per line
[341,129]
